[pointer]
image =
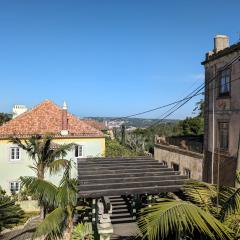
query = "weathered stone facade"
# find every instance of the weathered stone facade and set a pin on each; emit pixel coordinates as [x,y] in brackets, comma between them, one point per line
[185,159]
[222,109]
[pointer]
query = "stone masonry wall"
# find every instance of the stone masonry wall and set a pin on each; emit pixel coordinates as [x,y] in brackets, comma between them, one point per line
[185,159]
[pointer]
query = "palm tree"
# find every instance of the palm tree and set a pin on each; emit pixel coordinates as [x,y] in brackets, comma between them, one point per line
[201,209]
[10,213]
[61,200]
[45,154]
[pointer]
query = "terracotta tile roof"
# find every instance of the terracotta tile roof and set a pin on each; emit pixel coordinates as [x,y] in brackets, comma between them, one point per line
[96,124]
[46,118]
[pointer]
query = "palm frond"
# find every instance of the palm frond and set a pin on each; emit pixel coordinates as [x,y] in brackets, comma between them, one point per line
[66,196]
[61,151]
[57,165]
[52,227]
[45,191]
[238,177]
[232,204]
[83,231]
[202,194]
[180,218]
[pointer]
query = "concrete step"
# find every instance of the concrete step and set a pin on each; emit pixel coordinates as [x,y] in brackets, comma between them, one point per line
[119,210]
[117,202]
[120,215]
[122,220]
[120,207]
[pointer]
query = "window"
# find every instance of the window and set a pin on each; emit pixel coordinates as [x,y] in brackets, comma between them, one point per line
[224,83]
[223,135]
[78,151]
[14,153]
[187,172]
[175,167]
[14,186]
[164,163]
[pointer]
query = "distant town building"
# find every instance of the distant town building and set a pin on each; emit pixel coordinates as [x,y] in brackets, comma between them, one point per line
[18,109]
[222,112]
[44,118]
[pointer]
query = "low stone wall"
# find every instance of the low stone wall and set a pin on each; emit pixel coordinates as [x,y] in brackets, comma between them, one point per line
[29,205]
[185,159]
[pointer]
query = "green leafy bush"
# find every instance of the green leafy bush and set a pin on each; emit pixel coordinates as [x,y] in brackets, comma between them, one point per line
[10,213]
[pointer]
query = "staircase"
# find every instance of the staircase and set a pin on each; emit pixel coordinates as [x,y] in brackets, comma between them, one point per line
[120,210]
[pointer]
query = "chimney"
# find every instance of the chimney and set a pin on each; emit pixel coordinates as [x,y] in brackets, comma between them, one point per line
[220,42]
[18,110]
[64,130]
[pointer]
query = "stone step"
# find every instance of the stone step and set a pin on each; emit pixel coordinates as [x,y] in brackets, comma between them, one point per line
[120,215]
[122,220]
[117,202]
[119,210]
[120,207]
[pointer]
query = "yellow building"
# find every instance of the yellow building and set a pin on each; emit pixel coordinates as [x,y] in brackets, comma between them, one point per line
[46,117]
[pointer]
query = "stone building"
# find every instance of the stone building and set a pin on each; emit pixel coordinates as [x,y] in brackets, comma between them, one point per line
[184,155]
[222,112]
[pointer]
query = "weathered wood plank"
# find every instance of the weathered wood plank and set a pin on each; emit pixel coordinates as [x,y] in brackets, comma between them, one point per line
[110,185]
[124,175]
[129,191]
[131,179]
[139,170]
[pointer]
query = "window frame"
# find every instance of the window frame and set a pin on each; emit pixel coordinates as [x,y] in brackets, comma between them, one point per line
[14,182]
[172,166]
[15,153]
[220,137]
[220,93]
[164,163]
[187,172]
[78,145]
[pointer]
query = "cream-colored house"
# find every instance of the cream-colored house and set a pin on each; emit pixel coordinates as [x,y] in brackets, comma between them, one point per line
[46,117]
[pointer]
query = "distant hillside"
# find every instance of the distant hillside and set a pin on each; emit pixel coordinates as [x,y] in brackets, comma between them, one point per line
[130,122]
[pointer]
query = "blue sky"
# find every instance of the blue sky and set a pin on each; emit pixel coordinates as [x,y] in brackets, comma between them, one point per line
[108,57]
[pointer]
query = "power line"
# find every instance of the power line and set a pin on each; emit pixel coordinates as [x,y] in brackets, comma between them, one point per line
[194,93]
[177,106]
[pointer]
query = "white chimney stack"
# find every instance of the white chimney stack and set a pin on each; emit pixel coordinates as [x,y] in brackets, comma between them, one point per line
[220,42]
[18,110]
[64,130]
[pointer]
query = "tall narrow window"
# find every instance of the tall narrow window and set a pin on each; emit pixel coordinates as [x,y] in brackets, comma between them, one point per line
[223,135]
[14,186]
[175,167]
[164,163]
[14,153]
[78,151]
[224,83]
[187,172]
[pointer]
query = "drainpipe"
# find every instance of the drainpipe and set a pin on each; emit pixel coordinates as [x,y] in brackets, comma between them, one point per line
[237,185]
[213,132]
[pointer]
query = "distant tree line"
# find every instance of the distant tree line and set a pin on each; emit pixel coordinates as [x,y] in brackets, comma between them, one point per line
[142,139]
[4,117]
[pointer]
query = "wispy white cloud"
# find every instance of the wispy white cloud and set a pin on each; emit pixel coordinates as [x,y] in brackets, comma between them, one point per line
[199,76]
